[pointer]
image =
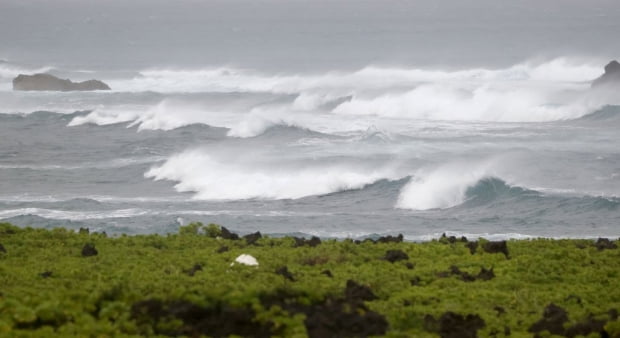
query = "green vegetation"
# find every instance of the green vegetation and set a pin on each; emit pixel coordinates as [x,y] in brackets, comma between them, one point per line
[64,283]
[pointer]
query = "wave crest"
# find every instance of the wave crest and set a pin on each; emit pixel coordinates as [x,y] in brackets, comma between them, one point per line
[213,178]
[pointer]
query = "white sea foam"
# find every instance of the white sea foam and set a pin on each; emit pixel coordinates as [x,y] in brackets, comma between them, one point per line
[442,187]
[340,83]
[10,70]
[256,176]
[527,92]
[73,215]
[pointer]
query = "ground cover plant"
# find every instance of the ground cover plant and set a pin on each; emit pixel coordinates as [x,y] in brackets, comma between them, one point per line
[65,283]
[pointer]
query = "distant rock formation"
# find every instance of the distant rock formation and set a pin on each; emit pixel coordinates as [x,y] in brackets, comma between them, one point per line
[50,82]
[611,76]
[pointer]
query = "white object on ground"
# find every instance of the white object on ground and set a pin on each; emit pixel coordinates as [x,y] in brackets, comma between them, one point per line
[246,260]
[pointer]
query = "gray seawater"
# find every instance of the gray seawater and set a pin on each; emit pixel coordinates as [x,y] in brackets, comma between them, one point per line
[341,119]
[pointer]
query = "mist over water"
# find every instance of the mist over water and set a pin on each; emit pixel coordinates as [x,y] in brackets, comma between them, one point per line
[331,119]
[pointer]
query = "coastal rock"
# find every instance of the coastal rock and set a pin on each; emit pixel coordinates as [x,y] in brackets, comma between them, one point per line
[395,255]
[283,271]
[610,77]
[52,83]
[251,239]
[89,250]
[454,325]
[496,247]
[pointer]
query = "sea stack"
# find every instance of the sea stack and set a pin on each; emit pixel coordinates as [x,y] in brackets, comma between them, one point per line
[52,83]
[611,76]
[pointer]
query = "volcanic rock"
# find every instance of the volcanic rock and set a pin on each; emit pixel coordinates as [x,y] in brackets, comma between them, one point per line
[610,77]
[89,250]
[52,83]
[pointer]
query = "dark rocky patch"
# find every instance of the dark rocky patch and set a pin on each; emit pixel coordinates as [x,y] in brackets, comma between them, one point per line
[89,250]
[382,239]
[355,292]
[451,239]
[409,265]
[605,243]
[395,255]
[251,239]
[390,239]
[83,231]
[454,325]
[553,320]
[222,249]
[312,242]
[587,327]
[327,273]
[335,316]
[2,249]
[193,270]
[283,271]
[227,234]
[45,274]
[217,321]
[496,247]
[472,246]
[333,319]
[53,83]
[484,274]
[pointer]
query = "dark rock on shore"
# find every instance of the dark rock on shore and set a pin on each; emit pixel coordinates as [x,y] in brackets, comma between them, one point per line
[484,274]
[46,274]
[334,316]
[554,318]
[191,272]
[604,243]
[217,321]
[454,325]
[382,239]
[610,77]
[312,242]
[496,247]
[472,246]
[227,234]
[327,273]
[251,239]
[52,83]
[283,271]
[390,239]
[89,250]
[395,255]
[452,239]
[355,292]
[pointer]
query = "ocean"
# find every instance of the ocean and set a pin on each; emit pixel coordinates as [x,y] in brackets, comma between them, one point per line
[336,119]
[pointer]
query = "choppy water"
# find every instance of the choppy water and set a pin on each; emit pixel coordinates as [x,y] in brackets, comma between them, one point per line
[518,149]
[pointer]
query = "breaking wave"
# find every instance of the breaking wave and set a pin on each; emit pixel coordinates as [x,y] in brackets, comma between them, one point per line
[213,178]
[342,102]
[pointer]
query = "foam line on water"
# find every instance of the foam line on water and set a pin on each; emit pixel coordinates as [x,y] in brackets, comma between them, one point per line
[212,178]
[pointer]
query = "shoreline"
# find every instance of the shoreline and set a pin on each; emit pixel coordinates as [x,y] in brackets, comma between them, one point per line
[206,280]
